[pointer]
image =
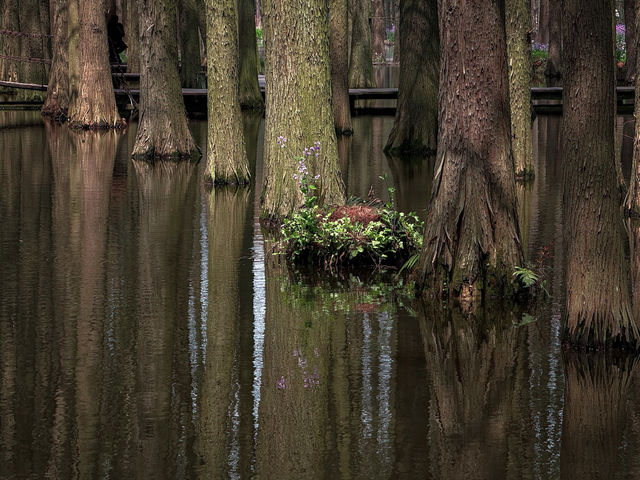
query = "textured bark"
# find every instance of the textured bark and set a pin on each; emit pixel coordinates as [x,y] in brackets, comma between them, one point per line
[131,34]
[377,30]
[32,47]
[416,124]
[339,52]
[598,308]
[227,156]
[630,7]
[361,63]
[56,104]
[520,74]
[298,105]
[92,103]
[250,95]
[632,202]
[163,129]
[554,60]
[191,70]
[9,69]
[472,237]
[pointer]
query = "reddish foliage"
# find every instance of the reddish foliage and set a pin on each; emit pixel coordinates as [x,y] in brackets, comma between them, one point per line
[357,213]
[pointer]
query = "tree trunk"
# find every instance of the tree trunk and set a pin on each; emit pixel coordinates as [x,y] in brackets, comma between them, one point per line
[520,74]
[471,238]
[33,46]
[227,157]
[131,35]
[632,201]
[339,52]
[92,103]
[298,105]
[10,69]
[250,95]
[163,129]
[361,65]
[597,279]
[56,104]
[554,60]
[191,70]
[377,31]
[630,40]
[396,36]
[415,128]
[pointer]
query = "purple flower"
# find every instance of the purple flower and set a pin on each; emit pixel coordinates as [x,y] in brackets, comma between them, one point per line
[317,177]
[621,29]
[281,141]
[281,384]
[540,46]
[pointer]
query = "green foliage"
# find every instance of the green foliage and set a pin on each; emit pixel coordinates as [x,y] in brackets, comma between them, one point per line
[529,279]
[259,35]
[526,320]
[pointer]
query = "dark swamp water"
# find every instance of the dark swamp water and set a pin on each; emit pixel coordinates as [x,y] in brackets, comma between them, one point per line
[145,332]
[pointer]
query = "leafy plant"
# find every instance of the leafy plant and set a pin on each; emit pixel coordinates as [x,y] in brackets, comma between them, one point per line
[528,279]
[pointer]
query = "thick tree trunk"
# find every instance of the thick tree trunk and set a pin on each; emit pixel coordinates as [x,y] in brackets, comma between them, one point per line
[597,278]
[520,74]
[632,201]
[191,70]
[227,156]
[378,31]
[56,104]
[630,39]
[163,129]
[361,64]
[471,238]
[298,105]
[250,95]
[131,34]
[339,52]
[10,18]
[416,125]
[554,60]
[92,103]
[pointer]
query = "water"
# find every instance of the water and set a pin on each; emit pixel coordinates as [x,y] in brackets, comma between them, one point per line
[146,331]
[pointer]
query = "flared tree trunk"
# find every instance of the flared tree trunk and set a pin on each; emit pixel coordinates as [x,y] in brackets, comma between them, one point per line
[598,295]
[298,105]
[56,104]
[250,95]
[92,103]
[131,34]
[377,30]
[191,70]
[415,128]
[361,64]
[227,156]
[471,238]
[632,201]
[552,71]
[339,53]
[520,74]
[163,129]
[630,21]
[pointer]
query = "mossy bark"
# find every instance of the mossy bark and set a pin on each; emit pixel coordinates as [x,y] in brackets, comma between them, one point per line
[227,156]
[415,129]
[163,130]
[92,103]
[250,95]
[598,297]
[361,63]
[517,13]
[191,65]
[131,34]
[471,237]
[339,53]
[56,103]
[298,105]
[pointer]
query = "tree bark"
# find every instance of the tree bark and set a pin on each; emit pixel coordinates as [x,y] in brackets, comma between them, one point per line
[471,240]
[32,47]
[56,104]
[298,105]
[630,39]
[163,129]
[92,103]
[520,74]
[361,64]
[378,31]
[632,201]
[339,52]
[191,70]
[227,156]
[9,69]
[553,71]
[598,308]
[131,34]
[415,128]
[250,95]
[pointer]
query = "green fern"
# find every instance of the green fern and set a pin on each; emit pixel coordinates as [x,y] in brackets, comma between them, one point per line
[527,277]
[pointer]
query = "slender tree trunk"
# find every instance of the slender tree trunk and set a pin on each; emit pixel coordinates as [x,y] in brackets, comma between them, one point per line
[298,105]
[472,237]
[163,129]
[131,34]
[520,74]
[250,95]
[191,71]
[632,201]
[56,104]
[597,279]
[339,52]
[416,125]
[396,40]
[630,39]
[361,64]
[227,155]
[92,103]
[377,31]
[554,60]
